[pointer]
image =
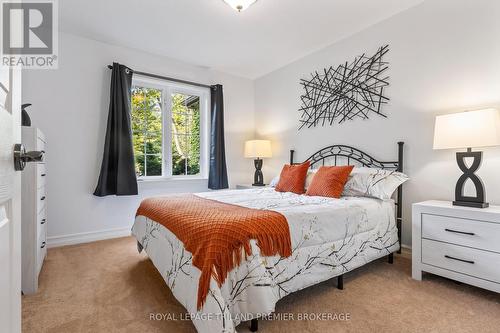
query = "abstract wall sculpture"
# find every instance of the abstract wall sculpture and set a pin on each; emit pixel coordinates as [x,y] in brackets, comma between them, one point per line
[352,90]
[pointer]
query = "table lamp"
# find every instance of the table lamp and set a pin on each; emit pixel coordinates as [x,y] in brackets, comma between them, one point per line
[258,149]
[469,129]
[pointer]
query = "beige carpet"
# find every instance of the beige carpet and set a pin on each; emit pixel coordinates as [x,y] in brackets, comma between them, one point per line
[108,287]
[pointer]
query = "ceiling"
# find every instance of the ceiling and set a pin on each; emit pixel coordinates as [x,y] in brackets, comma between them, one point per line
[209,33]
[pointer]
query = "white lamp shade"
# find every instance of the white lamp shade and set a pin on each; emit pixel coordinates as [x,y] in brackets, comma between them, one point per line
[467,129]
[258,149]
[240,5]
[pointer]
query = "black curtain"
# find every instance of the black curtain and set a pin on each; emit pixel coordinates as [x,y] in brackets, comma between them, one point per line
[217,177]
[117,175]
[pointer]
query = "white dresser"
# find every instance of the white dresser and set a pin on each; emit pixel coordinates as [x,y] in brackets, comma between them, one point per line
[456,242]
[34,212]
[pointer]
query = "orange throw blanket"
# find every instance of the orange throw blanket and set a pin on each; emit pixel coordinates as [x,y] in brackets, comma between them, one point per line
[216,233]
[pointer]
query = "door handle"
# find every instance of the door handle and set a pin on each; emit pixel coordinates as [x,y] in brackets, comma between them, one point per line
[21,156]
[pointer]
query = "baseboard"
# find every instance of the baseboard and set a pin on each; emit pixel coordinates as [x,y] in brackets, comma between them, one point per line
[87,237]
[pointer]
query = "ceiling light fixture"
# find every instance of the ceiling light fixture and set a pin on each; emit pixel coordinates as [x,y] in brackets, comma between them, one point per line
[240,5]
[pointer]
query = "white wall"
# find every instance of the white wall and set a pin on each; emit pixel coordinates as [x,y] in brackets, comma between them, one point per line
[444,57]
[71,106]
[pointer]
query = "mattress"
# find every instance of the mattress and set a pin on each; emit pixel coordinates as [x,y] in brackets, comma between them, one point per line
[336,218]
[329,237]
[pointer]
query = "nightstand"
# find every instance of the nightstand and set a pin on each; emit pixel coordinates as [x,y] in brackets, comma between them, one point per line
[247,186]
[456,242]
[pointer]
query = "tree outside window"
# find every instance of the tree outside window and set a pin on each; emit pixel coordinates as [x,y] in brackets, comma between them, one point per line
[150,145]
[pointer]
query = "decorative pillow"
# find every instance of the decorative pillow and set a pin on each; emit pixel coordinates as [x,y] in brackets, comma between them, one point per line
[371,182]
[329,181]
[293,178]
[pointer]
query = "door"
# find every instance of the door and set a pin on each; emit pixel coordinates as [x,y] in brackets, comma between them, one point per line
[10,202]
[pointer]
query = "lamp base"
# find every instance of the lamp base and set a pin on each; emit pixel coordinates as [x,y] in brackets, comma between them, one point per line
[471,204]
[258,178]
[477,201]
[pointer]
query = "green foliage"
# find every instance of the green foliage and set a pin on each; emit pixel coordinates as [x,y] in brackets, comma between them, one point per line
[147,132]
[185,135]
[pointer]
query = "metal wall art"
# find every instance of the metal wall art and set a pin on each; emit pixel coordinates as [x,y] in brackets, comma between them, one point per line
[352,90]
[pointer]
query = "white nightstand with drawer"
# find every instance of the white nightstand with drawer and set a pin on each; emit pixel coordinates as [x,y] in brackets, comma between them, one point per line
[457,242]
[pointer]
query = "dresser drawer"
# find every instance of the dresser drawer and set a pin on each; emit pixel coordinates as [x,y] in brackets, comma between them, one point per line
[42,224]
[42,252]
[43,235]
[42,242]
[471,233]
[477,263]
[41,175]
[41,198]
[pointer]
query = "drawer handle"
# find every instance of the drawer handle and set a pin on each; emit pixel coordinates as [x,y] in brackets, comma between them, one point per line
[43,245]
[42,198]
[460,232]
[43,221]
[458,259]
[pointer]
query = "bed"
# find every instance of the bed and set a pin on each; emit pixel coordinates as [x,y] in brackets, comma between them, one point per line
[364,229]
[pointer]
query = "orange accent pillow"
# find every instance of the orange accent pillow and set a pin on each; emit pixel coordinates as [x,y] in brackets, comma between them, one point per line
[293,178]
[329,181]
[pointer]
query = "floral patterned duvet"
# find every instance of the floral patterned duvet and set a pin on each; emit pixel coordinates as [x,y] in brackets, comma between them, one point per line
[329,237]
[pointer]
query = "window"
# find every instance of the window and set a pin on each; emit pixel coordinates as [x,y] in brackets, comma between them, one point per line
[170,129]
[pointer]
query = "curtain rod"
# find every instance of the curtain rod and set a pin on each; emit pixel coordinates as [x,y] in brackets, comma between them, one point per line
[167,78]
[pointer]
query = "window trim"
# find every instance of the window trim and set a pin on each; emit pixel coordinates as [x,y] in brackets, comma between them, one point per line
[167,89]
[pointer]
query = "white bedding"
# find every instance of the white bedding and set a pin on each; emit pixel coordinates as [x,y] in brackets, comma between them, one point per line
[329,238]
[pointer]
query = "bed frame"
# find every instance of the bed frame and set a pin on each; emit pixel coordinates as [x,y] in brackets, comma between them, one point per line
[347,154]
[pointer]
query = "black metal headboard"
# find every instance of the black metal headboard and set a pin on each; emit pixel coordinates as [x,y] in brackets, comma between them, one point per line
[353,154]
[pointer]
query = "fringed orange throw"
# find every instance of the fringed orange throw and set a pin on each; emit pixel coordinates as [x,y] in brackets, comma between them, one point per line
[216,233]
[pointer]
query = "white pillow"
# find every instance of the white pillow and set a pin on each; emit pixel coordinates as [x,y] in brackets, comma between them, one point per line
[372,182]
[309,177]
[275,181]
